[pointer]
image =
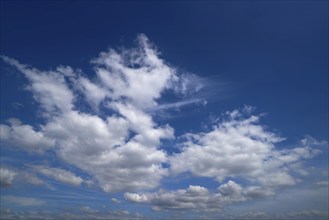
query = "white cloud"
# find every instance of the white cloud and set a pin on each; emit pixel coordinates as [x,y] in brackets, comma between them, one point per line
[118,144]
[147,131]
[48,88]
[93,92]
[134,197]
[32,178]
[6,177]
[100,148]
[188,84]
[25,137]
[115,201]
[298,198]
[255,192]
[312,142]
[177,105]
[231,199]
[277,179]
[230,188]
[194,197]
[58,174]
[139,74]
[118,150]
[240,147]
[67,71]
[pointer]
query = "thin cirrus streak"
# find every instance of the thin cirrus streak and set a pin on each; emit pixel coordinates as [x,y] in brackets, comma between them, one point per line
[177,105]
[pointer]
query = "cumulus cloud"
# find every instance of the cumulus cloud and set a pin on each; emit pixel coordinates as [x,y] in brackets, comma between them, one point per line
[195,197]
[118,147]
[24,136]
[240,147]
[138,74]
[118,143]
[203,200]
[230,188]
[134,197]
[58,174]
[101,148]
[6,177]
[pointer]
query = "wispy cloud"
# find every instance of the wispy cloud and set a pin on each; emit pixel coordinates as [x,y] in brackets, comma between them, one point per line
[59,175]
[179,104]
[21,201]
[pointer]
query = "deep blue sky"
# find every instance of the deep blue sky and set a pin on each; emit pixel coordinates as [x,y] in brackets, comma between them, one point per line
[272,55]
[276,51]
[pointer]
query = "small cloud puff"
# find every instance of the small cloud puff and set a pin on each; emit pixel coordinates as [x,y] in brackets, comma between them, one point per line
[6,177]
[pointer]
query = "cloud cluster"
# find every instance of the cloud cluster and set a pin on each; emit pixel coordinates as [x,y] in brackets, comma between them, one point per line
[8,176]
[197,197]
[117,144]
[240,147]
[118,147]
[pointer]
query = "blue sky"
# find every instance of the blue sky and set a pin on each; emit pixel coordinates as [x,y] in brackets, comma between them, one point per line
[164,110]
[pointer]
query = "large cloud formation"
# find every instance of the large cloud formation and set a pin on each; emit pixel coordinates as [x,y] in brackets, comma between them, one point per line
[119,150]
[118,144]
[236,148]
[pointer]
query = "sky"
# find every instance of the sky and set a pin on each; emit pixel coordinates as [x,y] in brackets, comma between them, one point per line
[164,109]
